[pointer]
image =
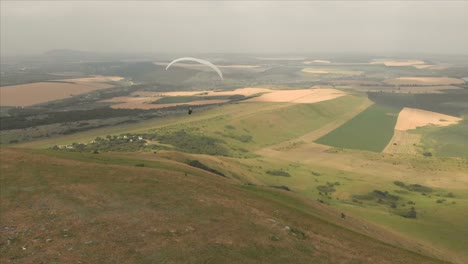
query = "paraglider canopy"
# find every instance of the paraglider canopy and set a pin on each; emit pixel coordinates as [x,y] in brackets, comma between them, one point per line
[207,63]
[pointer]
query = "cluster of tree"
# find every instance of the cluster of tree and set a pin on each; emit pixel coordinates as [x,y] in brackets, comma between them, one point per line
[280,173]
[194,143]
[19,120]
[413,187]
[125,142]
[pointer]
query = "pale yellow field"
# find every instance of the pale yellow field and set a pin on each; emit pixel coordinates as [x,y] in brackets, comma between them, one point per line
[330,71]
[35,93]
[299,96]
[403,142]
[161,94]
[430,66]
[411,118]
[423,81]
[318,94]
[128,99]
[317,61]
[315,71]
[396,63]
[355,82]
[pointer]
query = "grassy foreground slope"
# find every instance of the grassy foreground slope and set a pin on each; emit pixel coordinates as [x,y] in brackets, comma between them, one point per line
[70,209]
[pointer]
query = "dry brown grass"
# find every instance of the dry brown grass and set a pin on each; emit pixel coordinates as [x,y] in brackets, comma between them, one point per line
[35,93]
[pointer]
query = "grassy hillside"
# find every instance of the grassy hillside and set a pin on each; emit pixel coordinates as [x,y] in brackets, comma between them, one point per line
[57,209]
[223,175]
[451,141]
[370,130]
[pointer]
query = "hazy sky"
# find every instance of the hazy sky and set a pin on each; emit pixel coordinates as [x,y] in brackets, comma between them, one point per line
[29,27]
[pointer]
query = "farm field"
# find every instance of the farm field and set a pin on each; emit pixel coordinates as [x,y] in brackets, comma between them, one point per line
[299,96]
[411,118]
[35,93]
[423,81]
[333,165]
[398,63]
[403,142]
[153,100]
[337,71]
[287,149]
[370,130]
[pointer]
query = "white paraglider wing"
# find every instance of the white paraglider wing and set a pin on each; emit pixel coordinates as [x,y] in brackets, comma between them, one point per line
[207,63]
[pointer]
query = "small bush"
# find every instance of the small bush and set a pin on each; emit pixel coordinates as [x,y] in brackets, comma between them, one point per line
[298,233]
[325,188]
[281,187]
[450,195]
[409,214]
[280,173]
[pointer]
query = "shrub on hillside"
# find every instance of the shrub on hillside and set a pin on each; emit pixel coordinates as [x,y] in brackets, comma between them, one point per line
[278,173]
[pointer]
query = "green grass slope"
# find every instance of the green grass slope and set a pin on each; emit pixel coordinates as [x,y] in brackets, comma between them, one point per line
[451,141]
[70,209]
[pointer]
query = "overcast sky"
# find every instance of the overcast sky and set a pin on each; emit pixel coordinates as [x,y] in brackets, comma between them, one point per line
[235,26]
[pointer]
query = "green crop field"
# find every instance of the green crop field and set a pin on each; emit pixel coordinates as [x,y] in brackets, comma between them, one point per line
[371,130]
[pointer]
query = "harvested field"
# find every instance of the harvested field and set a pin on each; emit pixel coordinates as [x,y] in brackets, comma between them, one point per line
[398,63]
[411,118]
[403,142]
[355,82]
[317,61]
[299,96]
[331,71]
[315,71]
[291,96]
[128,99]
[423,81]
[35,93]
[430,66]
